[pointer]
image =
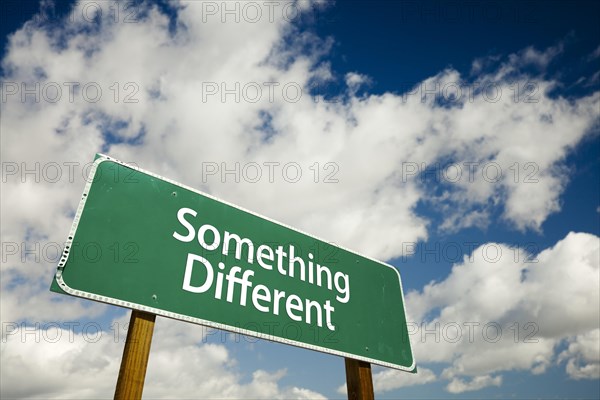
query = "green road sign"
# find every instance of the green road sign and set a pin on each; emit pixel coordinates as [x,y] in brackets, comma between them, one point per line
[145,242]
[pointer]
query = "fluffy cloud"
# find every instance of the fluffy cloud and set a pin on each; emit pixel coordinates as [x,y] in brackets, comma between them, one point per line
[501,310]
[479,382]
[583,355]
[189,95]
[390,379]
[177,368]
[384,381]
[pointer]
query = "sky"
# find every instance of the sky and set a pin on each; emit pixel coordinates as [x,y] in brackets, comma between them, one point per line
[457,141]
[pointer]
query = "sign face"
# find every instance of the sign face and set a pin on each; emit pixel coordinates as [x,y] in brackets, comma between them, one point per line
[144,242]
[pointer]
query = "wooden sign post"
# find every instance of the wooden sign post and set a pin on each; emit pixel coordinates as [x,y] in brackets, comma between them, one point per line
[359,381]
[132,373]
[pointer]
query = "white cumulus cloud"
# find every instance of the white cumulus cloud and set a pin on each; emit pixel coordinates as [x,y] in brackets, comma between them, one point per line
[61,363]
[501,310]
[391,379]
[477,383]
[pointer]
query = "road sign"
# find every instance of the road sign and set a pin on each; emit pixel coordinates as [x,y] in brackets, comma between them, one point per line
[145,242]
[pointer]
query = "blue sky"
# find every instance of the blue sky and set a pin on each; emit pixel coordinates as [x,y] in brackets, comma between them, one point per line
[365,69]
